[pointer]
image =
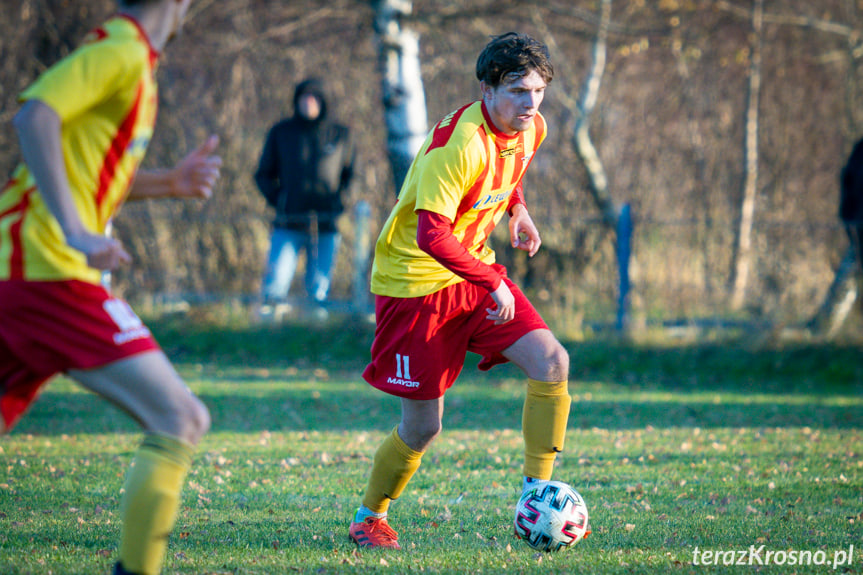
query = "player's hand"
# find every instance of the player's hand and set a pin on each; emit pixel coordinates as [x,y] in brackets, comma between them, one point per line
[523,232]
[197,173]
[103,253]
[505,305]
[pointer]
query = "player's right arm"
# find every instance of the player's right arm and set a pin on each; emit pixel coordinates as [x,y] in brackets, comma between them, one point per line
[38,127]
[445,174]
[435,237]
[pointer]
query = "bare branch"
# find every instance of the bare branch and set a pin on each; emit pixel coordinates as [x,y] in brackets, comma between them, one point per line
[458,12]
[561,62]
[611,27]
[789,20]
[281,31]
[583,107]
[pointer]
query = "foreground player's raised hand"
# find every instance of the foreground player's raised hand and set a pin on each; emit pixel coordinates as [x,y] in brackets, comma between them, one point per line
[523,232]
[197,173]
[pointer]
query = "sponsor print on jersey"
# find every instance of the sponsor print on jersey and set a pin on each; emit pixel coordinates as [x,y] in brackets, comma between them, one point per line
[130,325]
[492,200]
[517,149]
[444,129]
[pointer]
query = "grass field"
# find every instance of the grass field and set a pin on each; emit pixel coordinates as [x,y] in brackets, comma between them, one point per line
[676,448]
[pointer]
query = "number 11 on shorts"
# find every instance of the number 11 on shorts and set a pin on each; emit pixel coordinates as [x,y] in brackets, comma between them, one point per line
[403,370]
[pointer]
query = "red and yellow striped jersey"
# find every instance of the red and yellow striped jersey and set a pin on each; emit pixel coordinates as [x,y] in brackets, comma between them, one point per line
[105,95]
[466,170]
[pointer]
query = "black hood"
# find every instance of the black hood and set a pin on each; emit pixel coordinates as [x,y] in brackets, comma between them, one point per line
[311,86]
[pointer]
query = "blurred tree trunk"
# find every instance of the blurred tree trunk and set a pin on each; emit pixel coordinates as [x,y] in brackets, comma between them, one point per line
[840,298]
[743,249]
[582,108]
[843,290]
[402,86]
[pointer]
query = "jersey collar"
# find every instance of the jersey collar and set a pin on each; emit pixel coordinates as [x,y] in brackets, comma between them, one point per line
[497,133]
[154,54]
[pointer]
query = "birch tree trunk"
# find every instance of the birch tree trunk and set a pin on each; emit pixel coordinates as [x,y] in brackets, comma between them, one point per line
[834,309]
[839,300]
[743,253]
[402,86]
[842,292]
[581,135]
[582,108]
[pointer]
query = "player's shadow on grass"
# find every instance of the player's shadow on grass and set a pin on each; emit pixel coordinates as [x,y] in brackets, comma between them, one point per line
[267,379]
[284,409]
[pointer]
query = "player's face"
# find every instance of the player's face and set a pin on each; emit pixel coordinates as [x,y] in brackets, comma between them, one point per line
[512,106]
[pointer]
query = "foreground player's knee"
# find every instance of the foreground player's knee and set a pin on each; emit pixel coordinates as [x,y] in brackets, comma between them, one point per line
[556,363]
[188,420]
[418,435]
[427,432]
[197,421]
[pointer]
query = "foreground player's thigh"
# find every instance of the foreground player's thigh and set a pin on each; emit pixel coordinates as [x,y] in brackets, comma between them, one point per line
[150,390]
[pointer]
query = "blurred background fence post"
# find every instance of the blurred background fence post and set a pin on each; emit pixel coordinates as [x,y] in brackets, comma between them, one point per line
[624,252]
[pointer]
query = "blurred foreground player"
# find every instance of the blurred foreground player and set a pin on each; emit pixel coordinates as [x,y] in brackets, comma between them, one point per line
[438,291]
[83,128]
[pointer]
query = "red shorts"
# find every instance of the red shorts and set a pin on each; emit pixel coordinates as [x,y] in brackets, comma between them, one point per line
[421,343]
[51,327]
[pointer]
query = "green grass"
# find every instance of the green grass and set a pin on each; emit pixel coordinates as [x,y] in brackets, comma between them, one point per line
[673,446]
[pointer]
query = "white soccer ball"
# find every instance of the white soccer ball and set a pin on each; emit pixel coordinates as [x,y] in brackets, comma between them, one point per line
[551,516]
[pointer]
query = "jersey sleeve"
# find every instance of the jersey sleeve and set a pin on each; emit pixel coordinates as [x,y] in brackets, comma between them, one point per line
[88,76]
[516,198]
[435,237]
[445,176]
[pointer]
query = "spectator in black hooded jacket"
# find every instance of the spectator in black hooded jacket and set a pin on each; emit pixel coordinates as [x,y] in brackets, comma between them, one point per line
[304,173]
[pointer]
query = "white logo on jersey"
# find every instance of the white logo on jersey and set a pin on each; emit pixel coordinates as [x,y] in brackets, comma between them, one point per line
[130,325]
[407,366]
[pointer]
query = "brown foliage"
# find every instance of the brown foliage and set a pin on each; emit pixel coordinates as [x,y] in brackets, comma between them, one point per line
[668,127]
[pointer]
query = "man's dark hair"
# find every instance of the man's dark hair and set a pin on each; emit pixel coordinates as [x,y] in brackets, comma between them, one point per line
[511,56]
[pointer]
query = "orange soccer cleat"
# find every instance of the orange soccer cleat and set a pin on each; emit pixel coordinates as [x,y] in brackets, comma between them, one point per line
[374,532]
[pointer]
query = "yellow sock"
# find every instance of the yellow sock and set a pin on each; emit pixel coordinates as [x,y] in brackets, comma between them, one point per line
[543,424]
[151,500]
[395,463]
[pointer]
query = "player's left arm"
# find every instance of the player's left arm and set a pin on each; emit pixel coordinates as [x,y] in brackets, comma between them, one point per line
[193,177]
[39,133]
[522,230]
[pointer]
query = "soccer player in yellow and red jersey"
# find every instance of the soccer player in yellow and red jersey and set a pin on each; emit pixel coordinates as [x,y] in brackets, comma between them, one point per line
[83,128]
[438,292]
